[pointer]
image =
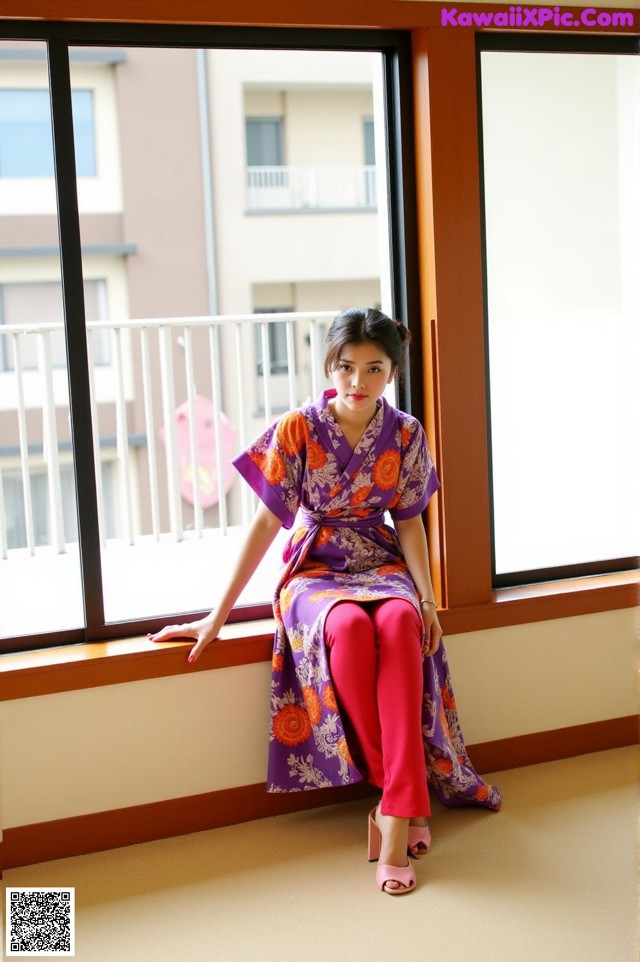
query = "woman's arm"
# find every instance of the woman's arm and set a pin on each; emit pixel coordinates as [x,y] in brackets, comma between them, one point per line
[413,541]
[260,536]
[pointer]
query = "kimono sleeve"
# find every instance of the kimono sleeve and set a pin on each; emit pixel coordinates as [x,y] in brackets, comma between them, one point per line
[418,479]
[273,465]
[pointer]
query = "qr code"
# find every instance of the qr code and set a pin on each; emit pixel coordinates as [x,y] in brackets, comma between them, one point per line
[40,921]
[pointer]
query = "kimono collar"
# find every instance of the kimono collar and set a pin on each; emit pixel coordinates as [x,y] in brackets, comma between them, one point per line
[332,436]
[322,404]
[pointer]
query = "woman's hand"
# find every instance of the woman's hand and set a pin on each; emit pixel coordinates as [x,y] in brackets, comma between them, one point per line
[432,630]
[204,631]
[413,542]
[260,536]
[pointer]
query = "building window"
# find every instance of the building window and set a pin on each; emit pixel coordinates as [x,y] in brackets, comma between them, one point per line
[264,141]
[26,148]
[14,501]
[369,174]
[38,303]
[277,342]
[369,142]
[268,181]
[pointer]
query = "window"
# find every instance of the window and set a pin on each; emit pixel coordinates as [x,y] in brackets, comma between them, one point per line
[267,178]
[37,481]
[14,502]
[27,186]
[369,162]
[276,333]
[40,303]
[369,142]
[561,142]
[177,336]
[264,141]
[26,148]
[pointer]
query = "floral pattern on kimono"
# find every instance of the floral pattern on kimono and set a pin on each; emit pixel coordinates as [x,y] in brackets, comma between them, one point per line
[335,499]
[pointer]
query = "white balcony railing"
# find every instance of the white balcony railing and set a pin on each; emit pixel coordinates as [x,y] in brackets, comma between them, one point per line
[172,400]
[311,188]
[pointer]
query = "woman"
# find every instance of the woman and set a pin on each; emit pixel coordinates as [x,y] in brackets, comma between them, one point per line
[360,685]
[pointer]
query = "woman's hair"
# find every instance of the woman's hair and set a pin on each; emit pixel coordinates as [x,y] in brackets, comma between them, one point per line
[357,325]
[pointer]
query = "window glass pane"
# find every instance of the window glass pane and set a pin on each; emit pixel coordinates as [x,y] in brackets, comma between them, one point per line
[264,141]
[276,333]
[369,142]
[40,588]
[190,379]
[25,134]
[26,146]
[561,140]
[82,103]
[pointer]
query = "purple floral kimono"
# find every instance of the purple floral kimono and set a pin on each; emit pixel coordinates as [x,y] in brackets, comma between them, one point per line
[306,473]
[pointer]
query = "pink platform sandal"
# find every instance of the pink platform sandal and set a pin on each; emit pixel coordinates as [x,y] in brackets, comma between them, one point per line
[388,873]
[419,840]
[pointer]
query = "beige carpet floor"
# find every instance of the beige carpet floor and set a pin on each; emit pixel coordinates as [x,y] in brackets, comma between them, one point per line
[551,877]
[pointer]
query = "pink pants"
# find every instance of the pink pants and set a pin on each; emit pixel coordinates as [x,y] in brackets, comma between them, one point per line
[375,658]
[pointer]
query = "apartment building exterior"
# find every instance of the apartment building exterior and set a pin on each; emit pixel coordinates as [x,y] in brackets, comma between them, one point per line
[210,183]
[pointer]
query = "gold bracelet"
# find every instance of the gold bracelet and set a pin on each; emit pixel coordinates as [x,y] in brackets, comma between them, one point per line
[427,601]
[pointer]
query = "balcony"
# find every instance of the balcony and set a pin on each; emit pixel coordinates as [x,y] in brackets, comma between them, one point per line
[172,400]
[334,188]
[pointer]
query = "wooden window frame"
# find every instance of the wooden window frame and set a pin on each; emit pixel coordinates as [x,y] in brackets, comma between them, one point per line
[452,348]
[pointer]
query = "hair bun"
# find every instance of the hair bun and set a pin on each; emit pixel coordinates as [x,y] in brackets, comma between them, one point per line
[403,332]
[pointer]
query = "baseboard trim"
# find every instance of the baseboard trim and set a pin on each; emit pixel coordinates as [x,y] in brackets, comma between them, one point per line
[549,746]
[83,834]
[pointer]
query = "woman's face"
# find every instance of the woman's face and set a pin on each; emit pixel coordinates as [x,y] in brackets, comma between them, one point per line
[362,374]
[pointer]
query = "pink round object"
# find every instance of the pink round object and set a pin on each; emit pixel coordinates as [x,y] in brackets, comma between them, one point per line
[209,483]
